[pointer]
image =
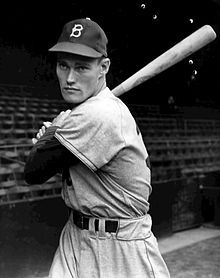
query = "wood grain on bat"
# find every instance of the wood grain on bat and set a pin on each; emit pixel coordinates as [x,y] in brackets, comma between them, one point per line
[177,53]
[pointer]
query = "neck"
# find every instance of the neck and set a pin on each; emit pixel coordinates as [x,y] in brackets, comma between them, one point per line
[101,86]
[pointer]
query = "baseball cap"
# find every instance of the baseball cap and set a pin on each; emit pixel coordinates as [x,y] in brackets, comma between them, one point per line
[83,37]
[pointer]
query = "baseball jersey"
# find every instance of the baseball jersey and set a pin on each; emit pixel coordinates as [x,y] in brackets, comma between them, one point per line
[112,178]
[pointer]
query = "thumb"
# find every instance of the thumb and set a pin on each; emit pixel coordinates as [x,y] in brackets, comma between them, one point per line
[34,141]
[47,124]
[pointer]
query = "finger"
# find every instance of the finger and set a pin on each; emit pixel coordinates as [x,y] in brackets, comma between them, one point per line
[47,124]
[43,129]
[34,141]
[65,112]
[68,111]
[40,132]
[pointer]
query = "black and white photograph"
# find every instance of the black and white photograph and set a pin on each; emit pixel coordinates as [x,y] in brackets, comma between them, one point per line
[110,139]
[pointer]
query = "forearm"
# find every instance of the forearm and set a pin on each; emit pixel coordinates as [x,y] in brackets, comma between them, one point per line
[47,158]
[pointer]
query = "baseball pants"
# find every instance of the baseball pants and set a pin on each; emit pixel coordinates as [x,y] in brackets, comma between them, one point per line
[131,252]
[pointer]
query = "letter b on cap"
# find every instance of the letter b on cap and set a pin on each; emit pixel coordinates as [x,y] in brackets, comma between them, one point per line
[76,31]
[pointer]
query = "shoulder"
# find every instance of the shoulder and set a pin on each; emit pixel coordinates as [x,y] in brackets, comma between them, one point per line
[102,110]
[103,107]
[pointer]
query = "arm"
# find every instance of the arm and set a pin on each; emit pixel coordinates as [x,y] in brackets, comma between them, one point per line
[47,158]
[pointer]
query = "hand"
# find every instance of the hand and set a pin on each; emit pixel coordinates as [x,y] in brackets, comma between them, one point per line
[61,118]
[41,132]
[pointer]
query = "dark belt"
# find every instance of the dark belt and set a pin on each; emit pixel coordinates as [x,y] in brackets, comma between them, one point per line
[82,222]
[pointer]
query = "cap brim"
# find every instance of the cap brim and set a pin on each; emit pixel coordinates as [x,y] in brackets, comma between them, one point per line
[75,48]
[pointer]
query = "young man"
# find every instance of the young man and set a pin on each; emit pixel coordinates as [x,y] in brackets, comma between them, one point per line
[105,166]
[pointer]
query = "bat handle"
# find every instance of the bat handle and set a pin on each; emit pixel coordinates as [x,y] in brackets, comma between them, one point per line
[118,90]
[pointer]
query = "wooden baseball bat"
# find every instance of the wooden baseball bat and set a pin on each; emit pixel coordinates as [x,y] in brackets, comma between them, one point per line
[177,53]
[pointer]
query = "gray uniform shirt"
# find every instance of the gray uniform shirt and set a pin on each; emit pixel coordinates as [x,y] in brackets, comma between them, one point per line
[112,178]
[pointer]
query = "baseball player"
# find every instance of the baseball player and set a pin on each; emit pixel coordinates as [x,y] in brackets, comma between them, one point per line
[99,150]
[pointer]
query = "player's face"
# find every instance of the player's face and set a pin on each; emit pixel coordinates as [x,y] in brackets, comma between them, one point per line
[79,77]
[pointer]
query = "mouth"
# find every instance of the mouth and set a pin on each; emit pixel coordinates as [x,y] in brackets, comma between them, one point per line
[71,89]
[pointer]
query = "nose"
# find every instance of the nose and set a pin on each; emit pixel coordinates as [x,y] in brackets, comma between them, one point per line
[71,78]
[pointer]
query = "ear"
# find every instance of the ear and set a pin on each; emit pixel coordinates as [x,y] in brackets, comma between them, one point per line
[104,66]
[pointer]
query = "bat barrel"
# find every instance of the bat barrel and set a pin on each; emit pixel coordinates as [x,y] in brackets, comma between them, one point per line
[178,52]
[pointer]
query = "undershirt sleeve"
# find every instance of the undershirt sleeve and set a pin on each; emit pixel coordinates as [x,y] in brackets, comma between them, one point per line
[47,158]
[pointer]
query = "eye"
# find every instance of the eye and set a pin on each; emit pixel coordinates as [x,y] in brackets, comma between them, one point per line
[81,68]
[62,65]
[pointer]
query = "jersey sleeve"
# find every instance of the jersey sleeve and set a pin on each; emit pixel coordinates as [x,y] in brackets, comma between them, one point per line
[93,134]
